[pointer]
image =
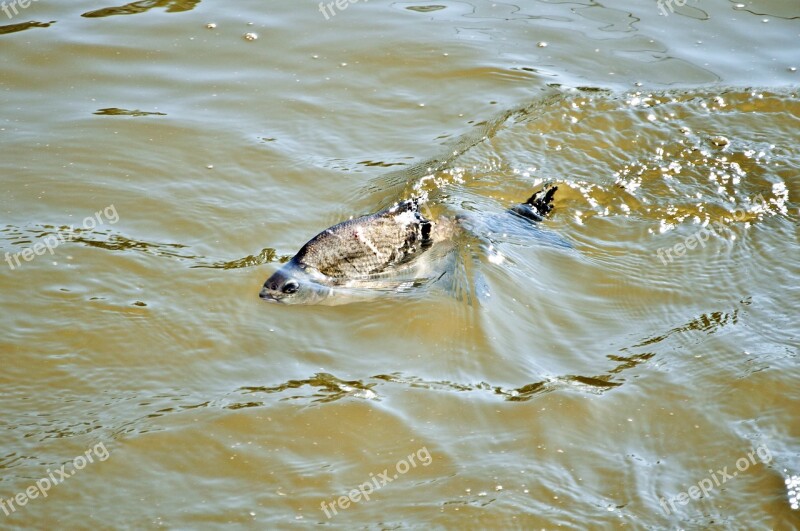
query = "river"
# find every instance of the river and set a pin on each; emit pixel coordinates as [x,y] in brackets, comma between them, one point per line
[631,363]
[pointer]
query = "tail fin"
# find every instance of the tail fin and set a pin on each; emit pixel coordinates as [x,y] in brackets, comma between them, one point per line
[538,205]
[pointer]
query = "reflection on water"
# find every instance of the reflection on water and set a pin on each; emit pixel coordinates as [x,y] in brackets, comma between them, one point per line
[568,376]
[172,6]
[329,388]
[113,111]
[13,28]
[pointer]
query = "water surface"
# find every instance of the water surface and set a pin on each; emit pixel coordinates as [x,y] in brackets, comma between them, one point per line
[575,386]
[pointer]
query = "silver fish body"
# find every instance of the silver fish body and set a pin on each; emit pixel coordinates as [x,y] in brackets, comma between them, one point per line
[355,250]
[379,252]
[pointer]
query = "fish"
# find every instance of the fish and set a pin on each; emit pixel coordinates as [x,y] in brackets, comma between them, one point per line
[379,251]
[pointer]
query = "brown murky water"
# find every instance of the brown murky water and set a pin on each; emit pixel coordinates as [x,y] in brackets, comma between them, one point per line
[631,364]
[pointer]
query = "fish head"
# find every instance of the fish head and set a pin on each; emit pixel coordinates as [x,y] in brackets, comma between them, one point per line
[294,284]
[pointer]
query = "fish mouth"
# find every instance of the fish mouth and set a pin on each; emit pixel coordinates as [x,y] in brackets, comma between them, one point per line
[267,296]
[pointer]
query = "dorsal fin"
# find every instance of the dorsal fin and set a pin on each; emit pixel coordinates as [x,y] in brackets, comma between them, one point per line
[538,205]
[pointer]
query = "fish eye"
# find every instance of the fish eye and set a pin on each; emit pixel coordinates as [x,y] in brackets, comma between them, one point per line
[290,287]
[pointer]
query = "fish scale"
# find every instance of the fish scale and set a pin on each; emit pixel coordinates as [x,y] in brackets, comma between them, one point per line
[370,244]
